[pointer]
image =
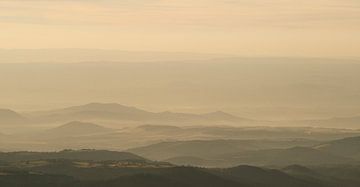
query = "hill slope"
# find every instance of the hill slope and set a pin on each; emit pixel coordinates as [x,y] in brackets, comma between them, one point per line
[9,117]
[100,175]
[212,148]
[269,177]
[76,128]
[97,155]
[284,157]
[347,147]
[270,157]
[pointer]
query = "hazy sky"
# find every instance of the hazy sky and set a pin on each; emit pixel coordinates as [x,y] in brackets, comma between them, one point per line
[244,27]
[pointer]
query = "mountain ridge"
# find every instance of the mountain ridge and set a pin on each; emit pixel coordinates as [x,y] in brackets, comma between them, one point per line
[78,128]
[115,111]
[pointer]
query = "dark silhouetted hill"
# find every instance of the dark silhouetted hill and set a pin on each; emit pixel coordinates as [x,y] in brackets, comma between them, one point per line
[269,177]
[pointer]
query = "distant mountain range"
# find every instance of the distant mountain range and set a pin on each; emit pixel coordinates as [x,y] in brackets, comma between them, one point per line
[117,112]
[77,128]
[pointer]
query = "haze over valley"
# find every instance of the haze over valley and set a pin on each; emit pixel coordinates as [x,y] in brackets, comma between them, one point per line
[278,120]
[154,93]
[259,88]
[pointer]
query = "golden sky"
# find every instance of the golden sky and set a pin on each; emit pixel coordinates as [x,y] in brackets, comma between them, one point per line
[323,28]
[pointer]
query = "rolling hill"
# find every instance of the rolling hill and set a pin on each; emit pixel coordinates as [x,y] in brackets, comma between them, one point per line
[209,149]
[77,128]
[301,171]
[96,155]
[347,147]
[220,115]
[10,117]
[93,174]
[194,161]
[269,177]
[270,157]
[109,111]
[283,157]
[93,168]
